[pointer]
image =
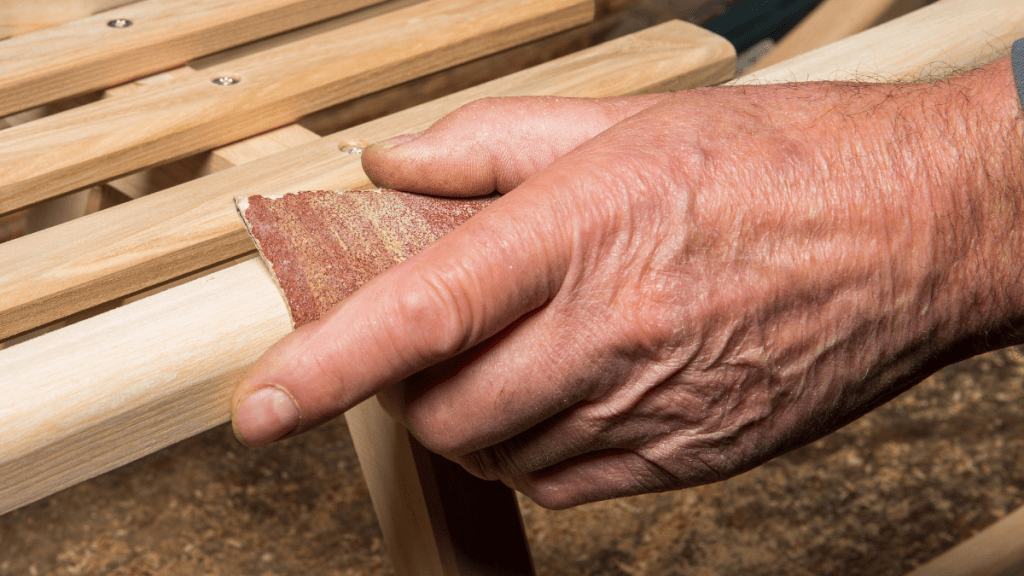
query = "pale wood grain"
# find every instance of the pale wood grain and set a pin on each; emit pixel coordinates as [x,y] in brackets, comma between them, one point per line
[87,55]
[386,459]
[945,36]
[105,139]
[90,397]
[104,256]
[21,16]
[834,20]
[995,551]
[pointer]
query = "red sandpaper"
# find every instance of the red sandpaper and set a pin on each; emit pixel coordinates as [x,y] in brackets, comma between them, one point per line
[322,245]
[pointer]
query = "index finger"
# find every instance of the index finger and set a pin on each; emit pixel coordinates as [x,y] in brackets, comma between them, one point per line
[453,295]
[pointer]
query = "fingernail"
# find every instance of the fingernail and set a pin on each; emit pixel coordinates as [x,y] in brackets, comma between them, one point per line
[390,143]
[265,415]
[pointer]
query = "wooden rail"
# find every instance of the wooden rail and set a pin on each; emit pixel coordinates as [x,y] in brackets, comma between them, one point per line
[833,20]
[88,54]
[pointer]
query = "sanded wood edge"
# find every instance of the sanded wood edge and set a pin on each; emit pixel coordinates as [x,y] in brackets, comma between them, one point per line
[88,55]
[128,248]
[995,551]
[88,398]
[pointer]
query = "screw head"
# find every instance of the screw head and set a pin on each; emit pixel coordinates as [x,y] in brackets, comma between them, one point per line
[351,149]
[226,80]
[119,23]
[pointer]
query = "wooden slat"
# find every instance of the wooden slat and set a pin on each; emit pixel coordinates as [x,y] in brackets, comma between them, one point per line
[21,16]
[184,389]
[946,36]
[105,139]
[834,20]
[995,551]
[57,272]
[88,55]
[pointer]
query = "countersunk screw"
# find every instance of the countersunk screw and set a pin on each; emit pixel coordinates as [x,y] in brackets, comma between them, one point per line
[226,81]
[119,23]
[351,149]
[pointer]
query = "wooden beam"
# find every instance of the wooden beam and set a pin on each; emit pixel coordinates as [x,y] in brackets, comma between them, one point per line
[995,551]
[88,55]
[174,390]
[109,138]
[104,256]
[834,20]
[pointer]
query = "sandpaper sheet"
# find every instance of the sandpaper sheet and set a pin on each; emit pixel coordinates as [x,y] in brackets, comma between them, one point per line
[322,245]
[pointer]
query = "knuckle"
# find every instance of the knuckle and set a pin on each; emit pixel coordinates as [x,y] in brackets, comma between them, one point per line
[434,312]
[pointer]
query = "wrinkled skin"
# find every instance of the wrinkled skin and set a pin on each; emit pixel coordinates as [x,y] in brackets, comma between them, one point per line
[674,288]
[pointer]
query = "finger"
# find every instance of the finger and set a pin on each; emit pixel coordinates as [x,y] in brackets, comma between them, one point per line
[593,477]
[582,429]
[494,143]
[453,295]
[567,353]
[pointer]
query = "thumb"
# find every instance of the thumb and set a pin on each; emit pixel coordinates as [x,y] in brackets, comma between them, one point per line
[494,144]
[455,294]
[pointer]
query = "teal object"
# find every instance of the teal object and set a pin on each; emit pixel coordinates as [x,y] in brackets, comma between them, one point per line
[1017,63]
[748,22]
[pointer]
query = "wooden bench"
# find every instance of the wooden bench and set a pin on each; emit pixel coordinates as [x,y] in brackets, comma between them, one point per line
[141,365]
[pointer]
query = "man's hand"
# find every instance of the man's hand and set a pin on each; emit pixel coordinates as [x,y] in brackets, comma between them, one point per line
[674,288]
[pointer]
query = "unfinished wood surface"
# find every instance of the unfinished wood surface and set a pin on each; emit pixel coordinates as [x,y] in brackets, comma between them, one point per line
[88,55]
[941,38]
[413,491]
[112,137]
[995,551]
[21,16]
[65,419]
[440,84]
[190,400]
[834,20]
[73,267]
[149,181]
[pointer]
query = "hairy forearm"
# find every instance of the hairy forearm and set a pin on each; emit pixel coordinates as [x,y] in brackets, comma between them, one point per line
[982,180]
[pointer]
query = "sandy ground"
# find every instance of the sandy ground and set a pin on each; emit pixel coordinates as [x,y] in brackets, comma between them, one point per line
[876,498]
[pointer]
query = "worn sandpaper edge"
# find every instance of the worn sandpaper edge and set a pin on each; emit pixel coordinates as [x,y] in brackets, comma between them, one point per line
[241,205]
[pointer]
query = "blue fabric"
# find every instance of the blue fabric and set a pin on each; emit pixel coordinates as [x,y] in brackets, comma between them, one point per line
[1017,62]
